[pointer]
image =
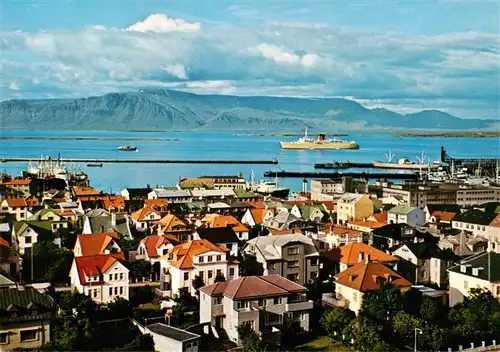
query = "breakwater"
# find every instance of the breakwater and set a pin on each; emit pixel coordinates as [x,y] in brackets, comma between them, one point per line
[141,161]
[338,175]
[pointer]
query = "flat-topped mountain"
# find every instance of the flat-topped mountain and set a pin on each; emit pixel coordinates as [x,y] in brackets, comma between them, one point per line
[160,109]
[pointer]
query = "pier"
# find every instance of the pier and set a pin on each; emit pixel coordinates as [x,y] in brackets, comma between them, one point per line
[337,175]
[142,161]
[342,165]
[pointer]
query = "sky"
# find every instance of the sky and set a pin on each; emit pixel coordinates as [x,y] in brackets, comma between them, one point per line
[405,56]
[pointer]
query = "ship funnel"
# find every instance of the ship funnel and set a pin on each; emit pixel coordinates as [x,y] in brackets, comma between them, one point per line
[321,137]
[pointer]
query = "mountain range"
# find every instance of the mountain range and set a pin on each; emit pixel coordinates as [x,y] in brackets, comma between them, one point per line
[161,109]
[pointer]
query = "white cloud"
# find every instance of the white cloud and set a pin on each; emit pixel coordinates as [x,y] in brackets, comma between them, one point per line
[280,56]
[160,23]
[14,86]
[388,69]
[176,70]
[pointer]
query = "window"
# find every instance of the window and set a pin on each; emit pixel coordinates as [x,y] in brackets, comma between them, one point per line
[110,277]
[121,276]
[4,338]
[292,264]
[95,293]
[29,335]
[116,291]
[242,304]
[111,291]
[278,300]
[314,275]
[210,274]
[262,302]
[201,274]
[201,259]
[218,300]
[27,239]
[231,271]
[116,277]
[314,262]
[209,258]
[195,343]
[186,276]
[498,290]
[121,290]
[218,258]
[292,277]
[219,272]
[293,250]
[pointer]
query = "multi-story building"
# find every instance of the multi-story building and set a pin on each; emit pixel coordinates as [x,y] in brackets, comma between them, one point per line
[352,283]
[328,190]
[15,206]
[293,256]
[353,207]
[353,253]
[196,258]
[25,319]
[24,187]
[479,223]
[172,196]
[102,277]
[225,182]
[264,302]
[417,194]
[477,271]
[135,193]
[476,195]
[144,218]
[403,214]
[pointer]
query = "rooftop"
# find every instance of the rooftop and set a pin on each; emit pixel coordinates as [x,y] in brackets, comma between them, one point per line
[475,216]
[486,265]
[401,210]
[247,287]
[171,332]
[184,253]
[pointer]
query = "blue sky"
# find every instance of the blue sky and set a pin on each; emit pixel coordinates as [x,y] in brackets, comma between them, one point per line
[402,55]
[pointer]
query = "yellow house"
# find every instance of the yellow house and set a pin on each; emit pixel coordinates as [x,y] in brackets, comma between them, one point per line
[353,207]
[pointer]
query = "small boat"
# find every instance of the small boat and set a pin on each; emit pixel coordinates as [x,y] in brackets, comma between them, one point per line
[127,148]
[94,165]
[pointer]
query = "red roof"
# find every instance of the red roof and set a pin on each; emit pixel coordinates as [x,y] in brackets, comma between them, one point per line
[350,253]
[184,253]
[95,244]
[4,243]
[496,221]
[329,205]
[86,191]
[368,224]
[18,182]
[93,266]
[380,217]
[247,287]
[258,204]
[444,215]
[285,232]
[369,276]
[152,243]
[65,212]
[140,214]
[16,202]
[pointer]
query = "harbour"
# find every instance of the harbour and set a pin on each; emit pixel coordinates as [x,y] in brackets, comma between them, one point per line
[338,175]
[99,162]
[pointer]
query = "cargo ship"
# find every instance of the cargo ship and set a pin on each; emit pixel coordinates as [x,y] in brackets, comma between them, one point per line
[320,143]
[405,163]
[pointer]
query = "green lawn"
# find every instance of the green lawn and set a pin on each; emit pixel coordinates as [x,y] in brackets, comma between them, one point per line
[322,343]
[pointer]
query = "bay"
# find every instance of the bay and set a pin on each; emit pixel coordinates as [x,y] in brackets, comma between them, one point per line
[208,145]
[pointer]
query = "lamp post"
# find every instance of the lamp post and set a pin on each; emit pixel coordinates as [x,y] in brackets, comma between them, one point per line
[420,332]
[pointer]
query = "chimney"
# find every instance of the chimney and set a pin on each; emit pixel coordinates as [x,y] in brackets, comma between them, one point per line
[367,258]
[360,257]
[415,239]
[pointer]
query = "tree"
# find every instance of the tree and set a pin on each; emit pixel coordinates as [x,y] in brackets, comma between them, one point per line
[432,311]
[219,277]
[138,269]
[50,263]
[404,325]
[382,304]
[198,282]
[365,335]
[250,266]
[249,339]
[335,320]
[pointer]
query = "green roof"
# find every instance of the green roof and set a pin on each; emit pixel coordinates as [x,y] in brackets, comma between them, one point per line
[41,212]
[242,193]
[306,210]
[28,304]
[42,228]
[475,216]
[401,210]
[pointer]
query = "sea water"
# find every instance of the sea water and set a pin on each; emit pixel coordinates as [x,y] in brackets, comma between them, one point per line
[221,146]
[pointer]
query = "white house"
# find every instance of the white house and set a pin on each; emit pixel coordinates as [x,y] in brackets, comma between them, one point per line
[177,196]
[479,223]
[144,218]
[403,214]
[477,271]
[264,302]
[196,258]
[102,277]
[171,339]
[15,206]
[26,233]
[151,248]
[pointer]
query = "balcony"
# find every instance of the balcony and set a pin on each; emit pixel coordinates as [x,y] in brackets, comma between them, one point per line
[331,300]
[218,310]
[296,306]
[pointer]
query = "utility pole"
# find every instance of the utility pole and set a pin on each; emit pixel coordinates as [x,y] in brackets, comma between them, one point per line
[31,253]
[420,332]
